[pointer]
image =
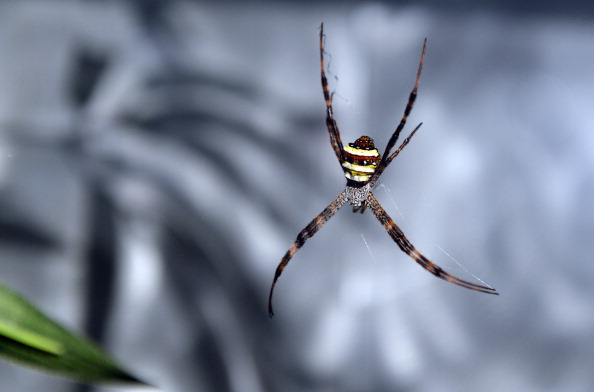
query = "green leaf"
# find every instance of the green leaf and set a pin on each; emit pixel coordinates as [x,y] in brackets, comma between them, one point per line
[28,337]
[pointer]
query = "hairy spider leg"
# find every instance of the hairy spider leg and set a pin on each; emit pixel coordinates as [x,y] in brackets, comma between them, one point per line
[409,106]
[309,231]
[404,143]
[404,244]
[333,130]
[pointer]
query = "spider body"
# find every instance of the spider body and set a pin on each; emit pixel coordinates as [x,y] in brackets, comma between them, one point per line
[357,196]
[363,165]
[360,159]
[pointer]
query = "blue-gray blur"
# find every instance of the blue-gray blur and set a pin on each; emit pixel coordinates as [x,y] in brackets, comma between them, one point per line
[156,163]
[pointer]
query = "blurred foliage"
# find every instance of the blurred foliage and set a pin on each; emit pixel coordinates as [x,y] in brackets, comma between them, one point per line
[30,338]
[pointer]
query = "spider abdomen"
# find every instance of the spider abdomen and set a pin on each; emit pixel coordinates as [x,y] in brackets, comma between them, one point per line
[361,158]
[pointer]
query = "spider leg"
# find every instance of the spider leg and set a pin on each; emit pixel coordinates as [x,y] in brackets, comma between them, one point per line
[335,139]
[404,244]
[404,143]
[310,230]
[409,105]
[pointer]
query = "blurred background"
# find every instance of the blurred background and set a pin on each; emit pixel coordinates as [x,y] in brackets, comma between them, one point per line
[157,158]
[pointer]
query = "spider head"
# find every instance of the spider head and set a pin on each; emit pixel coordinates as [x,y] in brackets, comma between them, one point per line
[361,158]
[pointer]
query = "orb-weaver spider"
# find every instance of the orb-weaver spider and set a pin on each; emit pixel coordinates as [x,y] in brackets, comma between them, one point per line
[363,165]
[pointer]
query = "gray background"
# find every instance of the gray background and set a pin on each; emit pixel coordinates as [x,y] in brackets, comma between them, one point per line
[158,158]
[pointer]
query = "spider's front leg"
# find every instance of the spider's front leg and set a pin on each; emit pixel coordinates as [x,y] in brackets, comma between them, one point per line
[404,244]
[309,231]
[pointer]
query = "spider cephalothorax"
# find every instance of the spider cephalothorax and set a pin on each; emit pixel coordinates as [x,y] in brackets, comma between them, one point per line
[363,165]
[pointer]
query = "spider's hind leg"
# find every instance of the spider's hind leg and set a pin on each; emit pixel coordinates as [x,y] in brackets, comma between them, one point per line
[333,130]
[387,158]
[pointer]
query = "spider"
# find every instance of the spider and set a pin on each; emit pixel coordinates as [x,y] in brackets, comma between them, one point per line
[363,165]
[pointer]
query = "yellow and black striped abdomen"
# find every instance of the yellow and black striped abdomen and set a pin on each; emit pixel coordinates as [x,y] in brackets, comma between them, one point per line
[360,160]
